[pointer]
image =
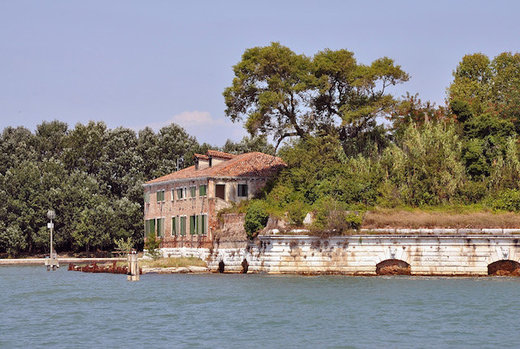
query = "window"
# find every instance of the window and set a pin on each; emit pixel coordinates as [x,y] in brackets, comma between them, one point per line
[193,225]
[160,195]
[146,198]
[242,190]
[181,193]
[183,225]
[202,220]
[220,191]
[193,191]
[149,227]
[174,226]
[173,193]
[160,226]
[202,190]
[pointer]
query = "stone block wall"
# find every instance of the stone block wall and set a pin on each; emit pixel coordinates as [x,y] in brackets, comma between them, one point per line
[360,254]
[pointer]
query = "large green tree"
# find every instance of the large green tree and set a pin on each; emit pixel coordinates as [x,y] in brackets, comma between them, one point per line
[481,85]
[281,94]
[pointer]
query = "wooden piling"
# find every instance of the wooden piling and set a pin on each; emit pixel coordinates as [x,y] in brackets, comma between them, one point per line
[133,269]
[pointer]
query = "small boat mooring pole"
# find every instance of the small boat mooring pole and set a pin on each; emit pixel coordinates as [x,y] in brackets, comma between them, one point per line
[133,270]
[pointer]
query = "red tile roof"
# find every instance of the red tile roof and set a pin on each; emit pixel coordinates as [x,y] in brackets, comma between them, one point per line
[201,156]
[220,154]
[243,165]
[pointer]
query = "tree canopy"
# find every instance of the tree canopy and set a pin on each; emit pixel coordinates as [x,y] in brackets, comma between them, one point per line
[281,94]
[90,175]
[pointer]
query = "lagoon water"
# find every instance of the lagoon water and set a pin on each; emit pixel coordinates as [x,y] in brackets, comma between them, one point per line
[66,309]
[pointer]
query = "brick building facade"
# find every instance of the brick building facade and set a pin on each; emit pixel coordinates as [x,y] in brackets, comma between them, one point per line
[182,207]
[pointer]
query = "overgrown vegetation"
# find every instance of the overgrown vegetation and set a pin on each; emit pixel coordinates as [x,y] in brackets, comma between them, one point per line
[463,155]
[256,217]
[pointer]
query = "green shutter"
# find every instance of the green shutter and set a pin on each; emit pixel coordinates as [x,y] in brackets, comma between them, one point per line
[183,225]
[202,190]
[179,193]
[193,223]
[193,192]
[151,229]
[147,197]
[174,226]
[160,226]
[203,223]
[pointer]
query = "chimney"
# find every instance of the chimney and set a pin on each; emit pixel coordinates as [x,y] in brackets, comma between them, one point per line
[201,161]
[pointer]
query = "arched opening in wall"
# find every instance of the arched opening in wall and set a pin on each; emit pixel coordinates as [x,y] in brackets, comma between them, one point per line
[221,266]
[393,267]
[245,266]
[505,267]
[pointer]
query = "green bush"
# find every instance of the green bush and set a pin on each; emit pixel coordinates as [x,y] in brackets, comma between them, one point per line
[152,245]
[256,218]
[473,191]
[297,211]
[507,200]
[331,216]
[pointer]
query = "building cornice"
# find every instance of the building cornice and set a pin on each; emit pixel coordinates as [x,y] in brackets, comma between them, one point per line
[181,180]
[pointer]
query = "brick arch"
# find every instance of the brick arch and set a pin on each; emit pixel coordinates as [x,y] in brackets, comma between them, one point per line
[393,267]
[504,267]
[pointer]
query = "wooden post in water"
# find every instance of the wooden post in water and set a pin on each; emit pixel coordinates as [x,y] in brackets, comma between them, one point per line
[133,268]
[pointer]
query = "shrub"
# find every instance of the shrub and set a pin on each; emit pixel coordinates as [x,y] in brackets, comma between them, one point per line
[256,218]
[332,216]
[473,191]
[124,246]
[507,200]
[297,211]
[152,245]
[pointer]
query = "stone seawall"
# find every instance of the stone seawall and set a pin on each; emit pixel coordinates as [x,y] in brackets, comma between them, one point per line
[363,254]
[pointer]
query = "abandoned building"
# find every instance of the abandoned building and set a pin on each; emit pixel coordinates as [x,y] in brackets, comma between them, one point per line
[181,207]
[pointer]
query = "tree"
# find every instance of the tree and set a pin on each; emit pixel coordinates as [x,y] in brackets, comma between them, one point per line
[471,83]
[17,144]
[50,139]
[354,95]
[120,162]
[283,94]
[249,144]
[426,166]
[85,147]
[273,88]
[412,110]
[488,86]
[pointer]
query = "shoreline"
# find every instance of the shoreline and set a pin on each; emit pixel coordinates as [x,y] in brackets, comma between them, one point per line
[65,260]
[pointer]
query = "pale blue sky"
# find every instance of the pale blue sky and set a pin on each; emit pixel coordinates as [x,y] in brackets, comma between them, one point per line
[138,63]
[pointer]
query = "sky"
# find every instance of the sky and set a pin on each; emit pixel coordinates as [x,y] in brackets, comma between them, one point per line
[149,63]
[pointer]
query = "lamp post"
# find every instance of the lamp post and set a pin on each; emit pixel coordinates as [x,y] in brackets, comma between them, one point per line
[53,261]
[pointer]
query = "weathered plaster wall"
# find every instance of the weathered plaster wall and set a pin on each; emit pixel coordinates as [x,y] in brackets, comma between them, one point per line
[173,206]
[359,254]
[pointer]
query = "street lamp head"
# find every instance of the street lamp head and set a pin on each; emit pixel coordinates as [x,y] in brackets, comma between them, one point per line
[51,214]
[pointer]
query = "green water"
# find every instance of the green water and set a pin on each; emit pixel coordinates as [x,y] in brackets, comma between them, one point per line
[66,309]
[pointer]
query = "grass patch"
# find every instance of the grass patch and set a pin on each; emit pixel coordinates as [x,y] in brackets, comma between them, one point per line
[439,217]
[173,262]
